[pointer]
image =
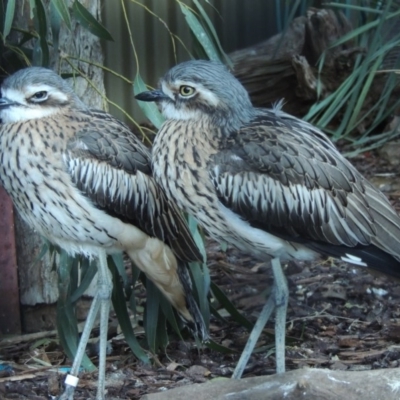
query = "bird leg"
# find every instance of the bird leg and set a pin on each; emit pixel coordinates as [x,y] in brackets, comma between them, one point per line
[254,335]
[281,293]
[278,300]
[105,288]
[102,301]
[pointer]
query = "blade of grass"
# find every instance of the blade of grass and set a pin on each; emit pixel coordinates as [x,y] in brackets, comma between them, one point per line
[55,24]
[362,29]
[41,49]
[119,303]
[152,314]
[87,20]
[214,34]
[67,324]
[9,18]
[199,32]
[227,304]
[168,312]
[87,278]
[63,12]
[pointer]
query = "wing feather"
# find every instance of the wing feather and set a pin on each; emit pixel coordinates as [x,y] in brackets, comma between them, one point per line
[287,178]
[112,167]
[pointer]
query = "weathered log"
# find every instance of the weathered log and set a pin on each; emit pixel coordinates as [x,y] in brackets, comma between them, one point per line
[286,65]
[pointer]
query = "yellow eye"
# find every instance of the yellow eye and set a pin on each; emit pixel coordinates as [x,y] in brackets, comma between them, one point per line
[186,91]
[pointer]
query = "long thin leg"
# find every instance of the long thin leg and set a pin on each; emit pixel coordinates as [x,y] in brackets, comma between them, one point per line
[254,335]
[102,301]
[281,303]
[71,380]
[277,300]
[105,288]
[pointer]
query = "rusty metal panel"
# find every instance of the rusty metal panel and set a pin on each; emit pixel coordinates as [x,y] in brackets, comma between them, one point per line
[10,321]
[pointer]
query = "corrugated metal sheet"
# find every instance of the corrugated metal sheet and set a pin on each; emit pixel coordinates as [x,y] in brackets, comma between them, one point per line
[239,23]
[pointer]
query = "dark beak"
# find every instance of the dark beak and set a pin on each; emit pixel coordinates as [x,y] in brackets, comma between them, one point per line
[152,95]
[4,102]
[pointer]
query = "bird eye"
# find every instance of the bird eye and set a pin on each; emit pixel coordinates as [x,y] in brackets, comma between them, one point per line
[186,91]
[39,96]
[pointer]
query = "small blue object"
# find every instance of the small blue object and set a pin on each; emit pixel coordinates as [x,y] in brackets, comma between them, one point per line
[66,370]
[6,367]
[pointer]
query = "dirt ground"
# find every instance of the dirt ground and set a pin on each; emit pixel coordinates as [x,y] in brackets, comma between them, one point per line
[339,317]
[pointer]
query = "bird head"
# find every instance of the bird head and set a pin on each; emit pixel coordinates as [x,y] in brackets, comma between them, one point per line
[33,93]
[199,89]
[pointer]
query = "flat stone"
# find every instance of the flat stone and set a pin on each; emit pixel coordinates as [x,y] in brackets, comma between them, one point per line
[307,383]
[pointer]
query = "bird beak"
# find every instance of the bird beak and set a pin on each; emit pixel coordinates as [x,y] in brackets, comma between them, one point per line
[5,103]
[152,95]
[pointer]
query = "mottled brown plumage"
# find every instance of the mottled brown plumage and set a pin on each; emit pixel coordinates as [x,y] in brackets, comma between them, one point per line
[270,184]
[84,181]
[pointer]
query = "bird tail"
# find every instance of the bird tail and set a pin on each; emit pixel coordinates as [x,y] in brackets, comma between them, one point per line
[171,276]
[196,324]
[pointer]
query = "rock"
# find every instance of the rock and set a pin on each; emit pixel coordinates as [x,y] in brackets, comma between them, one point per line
[310,384]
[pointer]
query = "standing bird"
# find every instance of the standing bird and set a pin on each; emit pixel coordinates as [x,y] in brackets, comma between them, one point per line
[268,183]
[80,178]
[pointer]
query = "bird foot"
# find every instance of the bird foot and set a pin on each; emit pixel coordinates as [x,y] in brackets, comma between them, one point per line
[68,392]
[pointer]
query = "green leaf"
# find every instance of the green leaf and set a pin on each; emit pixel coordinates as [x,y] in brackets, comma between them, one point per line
[62,11]
[31,8]
[89,269]
[200,33]
[355,8]
[9,18]
[218,347]
[152,314]
[162,332]
[200,272]
[211,28]
[201,281]
[168,311]
[55,24]
[119,263]
[41,53]
[150,110]
[87,20]
[67,324]
[362,29]
[227,304]
[119,303]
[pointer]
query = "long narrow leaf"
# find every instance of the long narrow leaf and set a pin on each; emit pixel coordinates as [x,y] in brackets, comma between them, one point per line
[87,278]
[211,28]
[227,304]
[89,22]
[168,311]
[55,24]
[152,314]
[9,17]
[362,29]
[67,324]
[63,12]
[41,48]
[119,303]
[199,32]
